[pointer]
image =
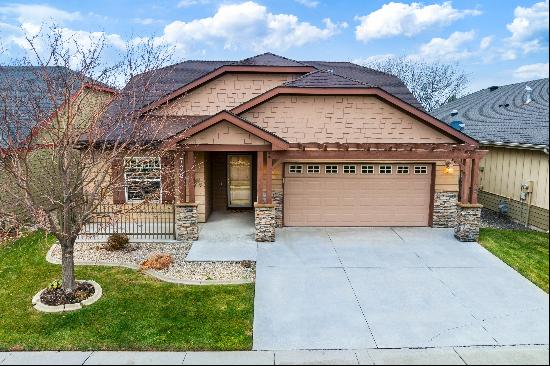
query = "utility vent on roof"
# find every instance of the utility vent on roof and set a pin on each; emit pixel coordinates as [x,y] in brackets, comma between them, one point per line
[506,105]
[528,94]
[493,88]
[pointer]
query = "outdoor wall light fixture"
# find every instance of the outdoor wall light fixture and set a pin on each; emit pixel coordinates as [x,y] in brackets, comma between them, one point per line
[448,167]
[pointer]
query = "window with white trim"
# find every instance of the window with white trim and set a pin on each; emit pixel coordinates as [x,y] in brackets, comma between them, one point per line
[296,169]
[350,169]
[367,169]
[421,169]
[402,169]
[314,169]
[142,176]
[331,169]
[385,169]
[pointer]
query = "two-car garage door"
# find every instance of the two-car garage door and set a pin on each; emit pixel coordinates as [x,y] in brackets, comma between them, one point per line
[352,194]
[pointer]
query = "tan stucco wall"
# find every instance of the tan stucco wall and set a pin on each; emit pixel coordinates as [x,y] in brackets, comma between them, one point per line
[224,92]
[345,119]
[225,133]
[505,169]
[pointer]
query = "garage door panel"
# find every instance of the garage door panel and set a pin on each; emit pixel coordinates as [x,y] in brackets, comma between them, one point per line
[357,199]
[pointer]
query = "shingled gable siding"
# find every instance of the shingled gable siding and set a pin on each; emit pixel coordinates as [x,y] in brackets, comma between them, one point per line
[343,119]
[225,133]
[224,92]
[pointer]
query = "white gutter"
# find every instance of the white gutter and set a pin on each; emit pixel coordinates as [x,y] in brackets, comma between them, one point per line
[516,145]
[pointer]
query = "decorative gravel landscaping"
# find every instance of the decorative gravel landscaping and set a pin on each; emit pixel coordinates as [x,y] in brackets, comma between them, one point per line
[492,219]
[178,271]
[135,312]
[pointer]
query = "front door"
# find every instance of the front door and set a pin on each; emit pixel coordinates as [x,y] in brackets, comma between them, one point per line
[239,180]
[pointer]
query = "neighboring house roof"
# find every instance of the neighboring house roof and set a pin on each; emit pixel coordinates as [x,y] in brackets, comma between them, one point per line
[500,115]
[165,82]
[31,95]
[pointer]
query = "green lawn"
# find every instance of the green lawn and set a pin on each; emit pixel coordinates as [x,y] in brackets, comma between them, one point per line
[136,312]
[525,251]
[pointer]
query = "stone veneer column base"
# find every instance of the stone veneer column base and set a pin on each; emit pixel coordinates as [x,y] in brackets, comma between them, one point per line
[187,221]
[444,214]
[264,222]
[278,202]
[468,221]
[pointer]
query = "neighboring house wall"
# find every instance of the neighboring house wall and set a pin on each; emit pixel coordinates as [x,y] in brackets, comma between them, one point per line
[224,92]
[503,172]
[345,119]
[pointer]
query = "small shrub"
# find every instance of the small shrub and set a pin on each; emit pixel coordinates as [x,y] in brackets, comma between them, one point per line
[55,285]
[158,262]
[116,242]
[247,264]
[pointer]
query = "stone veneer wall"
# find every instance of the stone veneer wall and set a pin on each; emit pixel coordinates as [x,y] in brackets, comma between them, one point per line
[264,222]
[278,200]
[444,213]
[187,221]
[468,222]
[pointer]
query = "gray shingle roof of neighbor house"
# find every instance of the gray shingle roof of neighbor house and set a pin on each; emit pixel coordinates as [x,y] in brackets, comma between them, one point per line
[27,98]
[502,115]
[178,75]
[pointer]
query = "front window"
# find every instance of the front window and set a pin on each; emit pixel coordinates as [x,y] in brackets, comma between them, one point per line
[142,178]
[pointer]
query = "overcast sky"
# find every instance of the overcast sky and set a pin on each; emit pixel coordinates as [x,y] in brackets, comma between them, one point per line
[496,42]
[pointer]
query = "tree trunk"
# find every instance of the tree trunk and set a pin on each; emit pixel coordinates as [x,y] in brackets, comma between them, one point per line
[67,264]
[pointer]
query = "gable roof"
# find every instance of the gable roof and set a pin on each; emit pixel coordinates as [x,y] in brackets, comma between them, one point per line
[171,80]
[500,115]
[325,79]
[268,59]
[276,142]
[374,91]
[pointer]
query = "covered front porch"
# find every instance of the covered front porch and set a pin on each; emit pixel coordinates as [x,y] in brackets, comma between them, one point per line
[224,165]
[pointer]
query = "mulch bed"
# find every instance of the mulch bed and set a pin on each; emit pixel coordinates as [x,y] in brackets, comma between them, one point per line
[55,297]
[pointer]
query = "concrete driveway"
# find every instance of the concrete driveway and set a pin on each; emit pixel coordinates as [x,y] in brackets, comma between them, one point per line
[348,288]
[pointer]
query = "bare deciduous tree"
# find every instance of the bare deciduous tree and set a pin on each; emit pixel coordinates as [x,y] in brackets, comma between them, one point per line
[62,128]
[432,83]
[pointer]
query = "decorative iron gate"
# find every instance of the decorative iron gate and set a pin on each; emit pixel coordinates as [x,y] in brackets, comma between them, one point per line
[139,221]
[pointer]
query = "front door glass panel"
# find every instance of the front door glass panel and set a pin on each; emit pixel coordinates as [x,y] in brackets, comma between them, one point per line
[239,176]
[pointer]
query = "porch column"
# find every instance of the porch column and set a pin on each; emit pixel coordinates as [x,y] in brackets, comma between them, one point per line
[466,180]
[264,209]
[190,176]
[260,177]
[475,181]
[180,171]
[268,176]
[469,211]
[187,216]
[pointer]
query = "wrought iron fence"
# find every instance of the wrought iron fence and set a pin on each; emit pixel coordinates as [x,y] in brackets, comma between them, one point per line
[139,221]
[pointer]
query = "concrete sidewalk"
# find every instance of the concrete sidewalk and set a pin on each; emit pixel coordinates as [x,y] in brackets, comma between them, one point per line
[517,355]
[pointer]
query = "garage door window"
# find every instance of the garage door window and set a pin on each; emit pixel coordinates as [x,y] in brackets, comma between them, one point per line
[367,169]
[296,169]
[331,169]
[385,169]
[314,169]
[402,169]
[421,169]
[350,169]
